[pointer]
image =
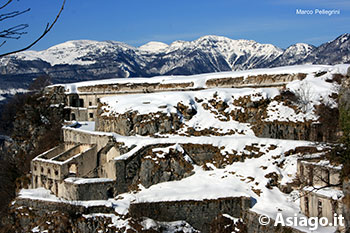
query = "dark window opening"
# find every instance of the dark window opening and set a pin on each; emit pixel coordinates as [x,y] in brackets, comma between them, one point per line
[311,175]
[306,206]
[328,176]
[91,115]
[319,208]
[74,103]
[73,117]
[110,193]
[90,103]
[81,103]
[301,170]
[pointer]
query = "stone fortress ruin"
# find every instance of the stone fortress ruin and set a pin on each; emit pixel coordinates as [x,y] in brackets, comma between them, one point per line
[95,162]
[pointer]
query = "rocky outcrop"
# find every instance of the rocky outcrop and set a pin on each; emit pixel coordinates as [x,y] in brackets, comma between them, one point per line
[151,165]
[158,166]
[131,123]
[26,215]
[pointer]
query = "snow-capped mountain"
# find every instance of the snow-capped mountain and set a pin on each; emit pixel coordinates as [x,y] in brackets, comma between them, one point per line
[86,60]
[294,54]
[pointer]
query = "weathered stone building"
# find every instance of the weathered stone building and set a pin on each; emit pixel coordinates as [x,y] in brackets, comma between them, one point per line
[321,188]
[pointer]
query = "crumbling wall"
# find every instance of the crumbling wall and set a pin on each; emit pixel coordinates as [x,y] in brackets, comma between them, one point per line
[144,167]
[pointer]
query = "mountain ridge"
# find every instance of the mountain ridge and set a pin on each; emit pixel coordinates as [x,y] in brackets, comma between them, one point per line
[80,60]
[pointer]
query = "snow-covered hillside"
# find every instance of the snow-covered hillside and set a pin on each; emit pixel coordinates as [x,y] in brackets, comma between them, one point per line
[203,142]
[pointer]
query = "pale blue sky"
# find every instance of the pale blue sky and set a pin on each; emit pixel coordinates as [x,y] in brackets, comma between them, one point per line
[138,21]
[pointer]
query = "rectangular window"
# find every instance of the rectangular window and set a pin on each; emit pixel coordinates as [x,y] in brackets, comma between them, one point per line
[319,208]
[91,115]
[306,202]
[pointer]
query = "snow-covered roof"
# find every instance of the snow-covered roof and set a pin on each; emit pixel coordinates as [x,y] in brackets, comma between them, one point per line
[78,180]
[329,192]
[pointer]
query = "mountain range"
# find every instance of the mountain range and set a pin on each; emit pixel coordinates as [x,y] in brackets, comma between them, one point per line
[87,60]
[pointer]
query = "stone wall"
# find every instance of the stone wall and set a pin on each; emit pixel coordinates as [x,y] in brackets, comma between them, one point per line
[134,87]
[87,189]
[255,80]
[70,208]
[144,167]
[311,174]
[198,214]
[315,205]
[76,136]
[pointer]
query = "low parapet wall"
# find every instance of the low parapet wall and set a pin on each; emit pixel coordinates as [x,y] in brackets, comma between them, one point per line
[70,208]
[88,189]
[198,214]
[142,87]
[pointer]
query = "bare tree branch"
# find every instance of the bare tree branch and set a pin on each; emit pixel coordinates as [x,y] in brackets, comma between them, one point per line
[3,6]
[12,14]
[47,29]
[14,32]
[2,43]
